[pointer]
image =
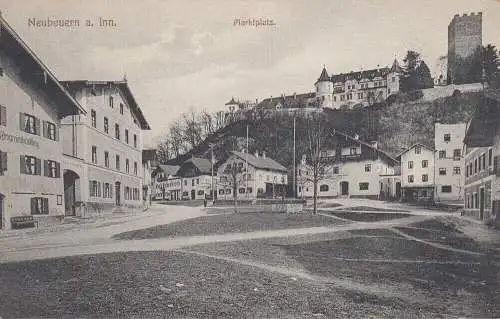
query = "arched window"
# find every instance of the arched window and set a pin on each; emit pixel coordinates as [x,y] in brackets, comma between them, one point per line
[323,188]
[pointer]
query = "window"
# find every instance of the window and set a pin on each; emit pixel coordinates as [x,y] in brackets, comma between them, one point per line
[135,140]
[425,163]
[241,190]
[456,170]
[335,170]
[93,118]
[49,131]
[410,178]
[3,162]
[323,188]
[117,162]
[121,108]
[52,169]
[442,171]
[107,191]
[484,161]
[106,125]
[3,115]
[368,168]
[39,206]
[30,124]
[490,157]
[447,137]
[30,165]
[197,181]
[425,178]
[117,131]
[363,186]
[418,149]
[185,182]
[94,154]
[135,168]
[442,154]
[202,192]
[111,101]
[353,151]
[221,192]
[475,165]
[410,164]
[446,189]
[228,191]
[457,153]
[249,190]
[106,158]
[126,136]
[127,166]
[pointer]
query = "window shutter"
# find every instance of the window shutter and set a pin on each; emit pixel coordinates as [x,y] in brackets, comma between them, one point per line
[37,126]
[45,130]
[33,205]
[38,166]
[45,168]
[22,161]
[21,122]
[103,191]
[99,189]
[3,115]
[45,206]
[57,132]
[58,169]
[110,190]
[3,161]
[90,189]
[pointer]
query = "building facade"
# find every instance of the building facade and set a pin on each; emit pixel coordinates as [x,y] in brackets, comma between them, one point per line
[250,176]
[148,190]
[103,150]
[196,178]
[32,105]
[167,186]
[479,174]
[350,168]
[449,162]
[417,173]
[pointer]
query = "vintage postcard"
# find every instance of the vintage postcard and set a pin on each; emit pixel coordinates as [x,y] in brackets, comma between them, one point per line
[249,159]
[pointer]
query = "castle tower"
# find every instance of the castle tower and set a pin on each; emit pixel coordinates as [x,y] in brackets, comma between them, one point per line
[464,36]
[232,105]
[393,78]
[324,89]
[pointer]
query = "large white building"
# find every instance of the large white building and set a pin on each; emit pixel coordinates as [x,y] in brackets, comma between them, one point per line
[102,149]
[167,186]
[32,104]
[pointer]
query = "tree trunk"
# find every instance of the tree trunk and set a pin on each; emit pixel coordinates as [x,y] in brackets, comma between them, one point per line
[315,192]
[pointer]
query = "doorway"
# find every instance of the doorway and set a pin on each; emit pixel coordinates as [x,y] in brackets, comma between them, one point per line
[193,194]
[398,190]
[1,210]
[71,182]
[344,188]
[117,193]
[481,203]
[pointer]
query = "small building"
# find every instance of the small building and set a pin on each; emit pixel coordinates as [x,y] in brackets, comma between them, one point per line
[479,174]
[167,185]
[196,177]
[33,104]
[251,176]
[417,173]
[349,168]
[449,163]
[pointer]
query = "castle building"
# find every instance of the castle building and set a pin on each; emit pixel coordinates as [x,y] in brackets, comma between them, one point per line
[103,150]
[33,104]
[361,88]
[464,36]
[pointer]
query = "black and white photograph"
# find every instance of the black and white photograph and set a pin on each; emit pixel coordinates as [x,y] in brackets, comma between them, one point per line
[250,159]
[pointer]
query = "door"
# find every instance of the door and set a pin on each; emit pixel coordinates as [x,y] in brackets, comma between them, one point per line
[193,194]
[481,203]
[344,188]
[398,190]
[1,211]
[117,194]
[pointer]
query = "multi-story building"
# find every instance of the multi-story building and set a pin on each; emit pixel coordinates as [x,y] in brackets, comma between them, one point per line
[103,150]
[251,176]
[196,177]
[464,36]
[362,88]
[167,184]
[417,173]
[349,168]
[33,102]
[148,158]
[449,162]
[482,161]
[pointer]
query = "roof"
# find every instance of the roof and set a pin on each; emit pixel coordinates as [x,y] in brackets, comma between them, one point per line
[14,47]
[412,147]
[289,101]
[261,162]
[323,76]
[148,154]
[124,89]
[359,75]
[232,101]
[169,170]
[395,67]
[202,164]
[485,121]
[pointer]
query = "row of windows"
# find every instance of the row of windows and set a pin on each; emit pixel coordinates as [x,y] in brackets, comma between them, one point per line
[479,164]
[93,116]
[117,161]
[32,125]
[98,189]
[425,164]
[131,193]
[472,201]
[457,154]
[365,85]
[31,165]
[241,190]
[364,186]
[411,178]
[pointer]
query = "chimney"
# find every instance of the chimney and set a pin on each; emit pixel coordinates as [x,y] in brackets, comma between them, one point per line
[256,154]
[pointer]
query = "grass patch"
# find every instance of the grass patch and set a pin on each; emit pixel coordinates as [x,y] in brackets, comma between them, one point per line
[373,209]
[176,285]
[367,217]
[382,232]
[439,224]
[230,223]
[329,205]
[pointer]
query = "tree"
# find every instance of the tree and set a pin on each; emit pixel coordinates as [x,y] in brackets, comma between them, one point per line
[423,76]
[416,74]
[470,69]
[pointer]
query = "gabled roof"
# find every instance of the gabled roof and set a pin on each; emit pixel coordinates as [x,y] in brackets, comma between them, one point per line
[124,89]
[202,164]
[261,162]
[232,101]
[289,101]
[15,48]
[169,170]
[412,147]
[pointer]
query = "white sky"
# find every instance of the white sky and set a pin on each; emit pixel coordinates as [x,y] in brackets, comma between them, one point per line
[187,54]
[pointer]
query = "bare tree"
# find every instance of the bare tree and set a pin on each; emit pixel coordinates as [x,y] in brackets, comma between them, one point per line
[176,138]
[192,133]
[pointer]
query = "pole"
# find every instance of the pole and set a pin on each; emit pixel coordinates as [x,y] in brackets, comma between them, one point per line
[294,191]
[246,166]
[212,161]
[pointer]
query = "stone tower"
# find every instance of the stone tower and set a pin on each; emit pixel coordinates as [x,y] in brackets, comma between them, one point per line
[324,89]
[464,36]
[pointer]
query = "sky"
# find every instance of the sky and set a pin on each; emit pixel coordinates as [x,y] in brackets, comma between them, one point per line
[186,54]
